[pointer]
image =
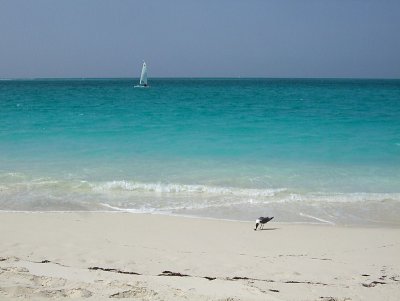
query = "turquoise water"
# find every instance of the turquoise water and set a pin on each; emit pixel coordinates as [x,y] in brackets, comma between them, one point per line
[304,150]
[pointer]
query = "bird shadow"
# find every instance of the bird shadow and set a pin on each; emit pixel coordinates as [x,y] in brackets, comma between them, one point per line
[268,229]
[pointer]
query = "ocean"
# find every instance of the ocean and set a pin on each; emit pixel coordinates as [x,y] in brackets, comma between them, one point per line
[302,150]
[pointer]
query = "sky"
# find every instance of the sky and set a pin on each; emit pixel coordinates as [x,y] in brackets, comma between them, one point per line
[193,38]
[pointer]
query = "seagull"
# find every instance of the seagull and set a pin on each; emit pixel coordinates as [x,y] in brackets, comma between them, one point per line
[262,220]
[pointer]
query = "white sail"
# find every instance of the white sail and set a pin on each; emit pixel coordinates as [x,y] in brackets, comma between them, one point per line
[143,76]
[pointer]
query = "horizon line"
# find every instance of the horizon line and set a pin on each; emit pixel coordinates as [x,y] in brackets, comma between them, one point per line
[194,77]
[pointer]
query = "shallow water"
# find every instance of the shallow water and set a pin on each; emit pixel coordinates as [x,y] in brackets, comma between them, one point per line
[302,150]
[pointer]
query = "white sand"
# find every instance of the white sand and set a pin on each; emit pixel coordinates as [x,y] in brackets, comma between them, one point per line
[283,262]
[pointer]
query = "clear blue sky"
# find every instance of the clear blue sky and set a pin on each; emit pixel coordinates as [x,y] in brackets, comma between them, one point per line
[207,38]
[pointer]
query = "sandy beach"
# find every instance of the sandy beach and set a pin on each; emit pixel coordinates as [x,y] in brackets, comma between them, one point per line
[101,256]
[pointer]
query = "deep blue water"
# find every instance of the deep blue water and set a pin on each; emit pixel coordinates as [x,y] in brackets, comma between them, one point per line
[226,148]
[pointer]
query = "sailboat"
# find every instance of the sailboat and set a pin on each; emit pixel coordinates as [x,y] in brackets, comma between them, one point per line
[143,77]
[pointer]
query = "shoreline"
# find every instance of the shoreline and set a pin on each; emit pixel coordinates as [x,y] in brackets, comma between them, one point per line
[100,256]
[322,223]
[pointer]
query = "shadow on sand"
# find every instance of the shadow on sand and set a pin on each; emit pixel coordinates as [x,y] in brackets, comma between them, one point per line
[268,229]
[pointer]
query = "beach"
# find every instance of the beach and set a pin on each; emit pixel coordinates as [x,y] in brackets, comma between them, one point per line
[152,194]
[101,256]
[142,144]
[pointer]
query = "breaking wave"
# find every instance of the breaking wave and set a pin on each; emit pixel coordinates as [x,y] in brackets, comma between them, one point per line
[20,193]
[183,189]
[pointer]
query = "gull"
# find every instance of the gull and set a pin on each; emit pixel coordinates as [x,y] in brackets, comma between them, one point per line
[262,220]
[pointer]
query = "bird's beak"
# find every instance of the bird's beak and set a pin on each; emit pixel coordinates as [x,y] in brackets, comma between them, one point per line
[256,227]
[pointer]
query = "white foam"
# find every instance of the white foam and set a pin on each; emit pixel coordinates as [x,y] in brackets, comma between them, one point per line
[182,188]
[334,197]
[317,218]
[131,210]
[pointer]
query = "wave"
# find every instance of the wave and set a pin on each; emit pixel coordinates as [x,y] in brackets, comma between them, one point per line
[21,193]
[183,189]
[317,218]
[14,183]
[131,210]
[340,197]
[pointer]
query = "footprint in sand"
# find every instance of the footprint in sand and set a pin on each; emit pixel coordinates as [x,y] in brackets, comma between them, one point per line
[48,281]
[15,269]
[63,293]
[17,291]
[138,292]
